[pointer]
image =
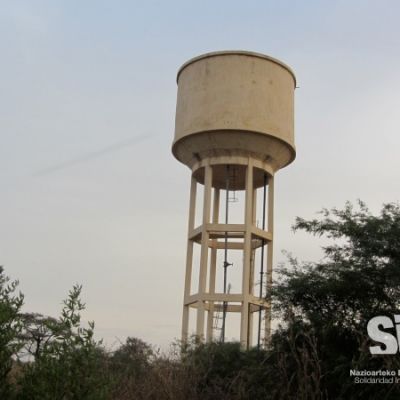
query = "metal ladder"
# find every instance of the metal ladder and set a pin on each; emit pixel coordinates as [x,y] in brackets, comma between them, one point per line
[218,316]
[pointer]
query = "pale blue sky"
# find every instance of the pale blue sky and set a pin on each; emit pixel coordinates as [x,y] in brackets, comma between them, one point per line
[87,97]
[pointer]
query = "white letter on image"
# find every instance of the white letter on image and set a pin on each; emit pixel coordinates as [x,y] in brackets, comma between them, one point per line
[381,336]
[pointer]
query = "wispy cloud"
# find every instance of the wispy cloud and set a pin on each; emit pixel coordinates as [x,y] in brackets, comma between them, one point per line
[87,157]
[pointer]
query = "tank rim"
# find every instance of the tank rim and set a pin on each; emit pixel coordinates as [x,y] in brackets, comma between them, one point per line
[291,147]
[236,52]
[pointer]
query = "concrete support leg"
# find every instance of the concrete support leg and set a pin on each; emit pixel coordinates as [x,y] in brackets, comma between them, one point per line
[244,323]
[213,269]
[189,261]
[268,311]
[204,252]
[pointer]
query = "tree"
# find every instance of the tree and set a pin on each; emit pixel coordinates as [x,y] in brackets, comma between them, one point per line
[10,327]
[130,366]
[38,331]
[71,365]
[332,300]
[134,357]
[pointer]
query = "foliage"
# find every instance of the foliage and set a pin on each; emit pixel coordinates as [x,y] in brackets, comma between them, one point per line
[134,357]
[37,332]
[323,308]
[10,327]
[129,366]
[333,299]
[69,365]
[224,371]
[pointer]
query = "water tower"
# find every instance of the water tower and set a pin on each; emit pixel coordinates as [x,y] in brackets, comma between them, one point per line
[234,129]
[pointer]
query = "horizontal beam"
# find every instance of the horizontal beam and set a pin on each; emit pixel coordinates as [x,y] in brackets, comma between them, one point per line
[226,228]
[219,307]
[233,231]
[267,236]
[230,245]
[195,234]
[228,297]
[194,298]
[225,297]
[259,302]
[213,297]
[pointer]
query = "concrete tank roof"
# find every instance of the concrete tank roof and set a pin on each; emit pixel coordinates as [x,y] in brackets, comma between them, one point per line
[235,52]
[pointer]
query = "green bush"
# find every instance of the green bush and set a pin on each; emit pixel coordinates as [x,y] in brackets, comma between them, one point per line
[71,364]
[10,328]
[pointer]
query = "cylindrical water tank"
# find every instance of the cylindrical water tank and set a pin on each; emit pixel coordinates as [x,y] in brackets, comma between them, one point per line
[235,103]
